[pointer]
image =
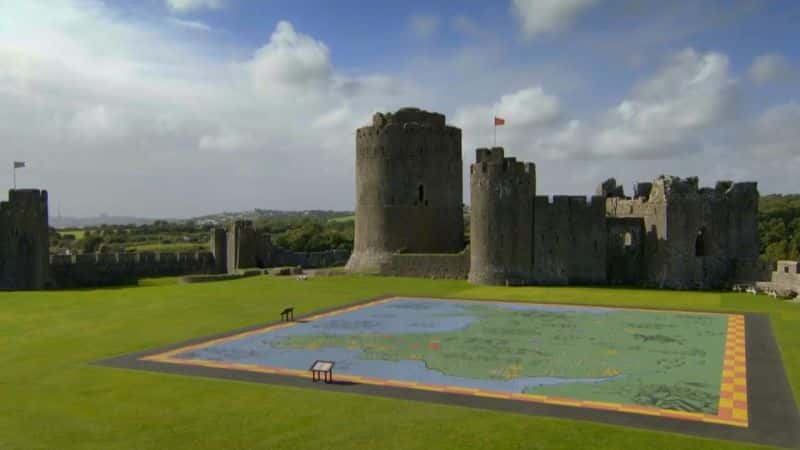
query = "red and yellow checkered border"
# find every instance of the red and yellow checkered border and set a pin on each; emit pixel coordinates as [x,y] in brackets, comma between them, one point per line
[733,389]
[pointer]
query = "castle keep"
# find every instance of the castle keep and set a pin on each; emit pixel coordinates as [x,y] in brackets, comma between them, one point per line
[408,188]
[670,234]
[24,243]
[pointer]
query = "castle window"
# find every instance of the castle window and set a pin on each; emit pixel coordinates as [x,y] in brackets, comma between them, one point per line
[421,194]
[700,243]
[627,239]
[786,269]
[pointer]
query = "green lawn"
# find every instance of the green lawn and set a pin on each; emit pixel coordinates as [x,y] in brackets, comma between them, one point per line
[77,232]
[343,219]
[51,398]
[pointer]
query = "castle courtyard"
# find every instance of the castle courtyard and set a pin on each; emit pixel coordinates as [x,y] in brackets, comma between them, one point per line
[731,344]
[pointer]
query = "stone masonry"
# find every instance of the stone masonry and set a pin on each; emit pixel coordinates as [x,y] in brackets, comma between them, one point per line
[408,188]
[24,240]
[670,234]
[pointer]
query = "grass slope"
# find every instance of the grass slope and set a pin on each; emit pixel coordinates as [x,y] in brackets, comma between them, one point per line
[53,399]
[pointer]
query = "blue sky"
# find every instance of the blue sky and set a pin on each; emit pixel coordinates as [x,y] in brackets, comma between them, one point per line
[183,107]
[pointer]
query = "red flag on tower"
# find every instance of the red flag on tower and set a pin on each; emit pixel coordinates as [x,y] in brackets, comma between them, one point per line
[499,121]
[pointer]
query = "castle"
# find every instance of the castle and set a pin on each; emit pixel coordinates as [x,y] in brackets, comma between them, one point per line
[24,240]
[671,233]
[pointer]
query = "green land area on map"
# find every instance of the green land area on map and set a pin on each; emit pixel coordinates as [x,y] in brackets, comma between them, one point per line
[663,359]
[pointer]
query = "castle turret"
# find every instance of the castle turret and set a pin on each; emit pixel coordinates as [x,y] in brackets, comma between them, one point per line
[24,240]
[408,188]
[502,192]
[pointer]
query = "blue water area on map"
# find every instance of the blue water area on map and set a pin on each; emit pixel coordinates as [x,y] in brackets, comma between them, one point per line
[398,316]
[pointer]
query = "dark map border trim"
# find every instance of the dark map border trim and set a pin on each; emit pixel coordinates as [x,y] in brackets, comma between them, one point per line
[773,414]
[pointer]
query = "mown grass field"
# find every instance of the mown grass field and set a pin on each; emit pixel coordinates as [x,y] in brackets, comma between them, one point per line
[51,398]
[76,232]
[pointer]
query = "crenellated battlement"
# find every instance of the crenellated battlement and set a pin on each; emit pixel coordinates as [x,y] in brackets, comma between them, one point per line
[191,259]
[671,187]
[109,269]
[492,164]
[408,115]
[410,140]
[24,199]
[571,201]
[667,187]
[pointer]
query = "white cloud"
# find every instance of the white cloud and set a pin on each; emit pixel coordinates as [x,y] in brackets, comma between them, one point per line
[227,140]
[525,109]
[190,24]
[183,6]
[539,17]
[666,115]
[424,26]
[177,127]
[776,132]
[290,61]
[164,122]
[770,67]
[97,122]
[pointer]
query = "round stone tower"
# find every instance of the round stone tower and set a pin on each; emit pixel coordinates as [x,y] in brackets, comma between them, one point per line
[408,188]
[502,192]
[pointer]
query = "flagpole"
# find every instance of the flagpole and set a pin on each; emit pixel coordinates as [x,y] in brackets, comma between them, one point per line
[495,134]
[14,172]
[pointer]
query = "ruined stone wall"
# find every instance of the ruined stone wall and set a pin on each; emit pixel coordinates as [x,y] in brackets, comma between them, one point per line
[308,260]
[24,240]
[218,242]
[408,188]
[454,266]
[569,240]
[652,210]
[625,263]
[501,191]
[694,236]
[111,269]
[743,238]
[748,270]
[245,247]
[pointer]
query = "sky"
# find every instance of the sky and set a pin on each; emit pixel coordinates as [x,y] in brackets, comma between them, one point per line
[178,108]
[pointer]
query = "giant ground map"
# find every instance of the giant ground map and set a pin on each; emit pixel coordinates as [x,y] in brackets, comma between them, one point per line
[687,365]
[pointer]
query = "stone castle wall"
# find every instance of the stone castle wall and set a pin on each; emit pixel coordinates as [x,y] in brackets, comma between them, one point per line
[694,237]
[454,266]
[24,240]
[110,269]
[408,188]
[308,260]
[569,240]
[625,239]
